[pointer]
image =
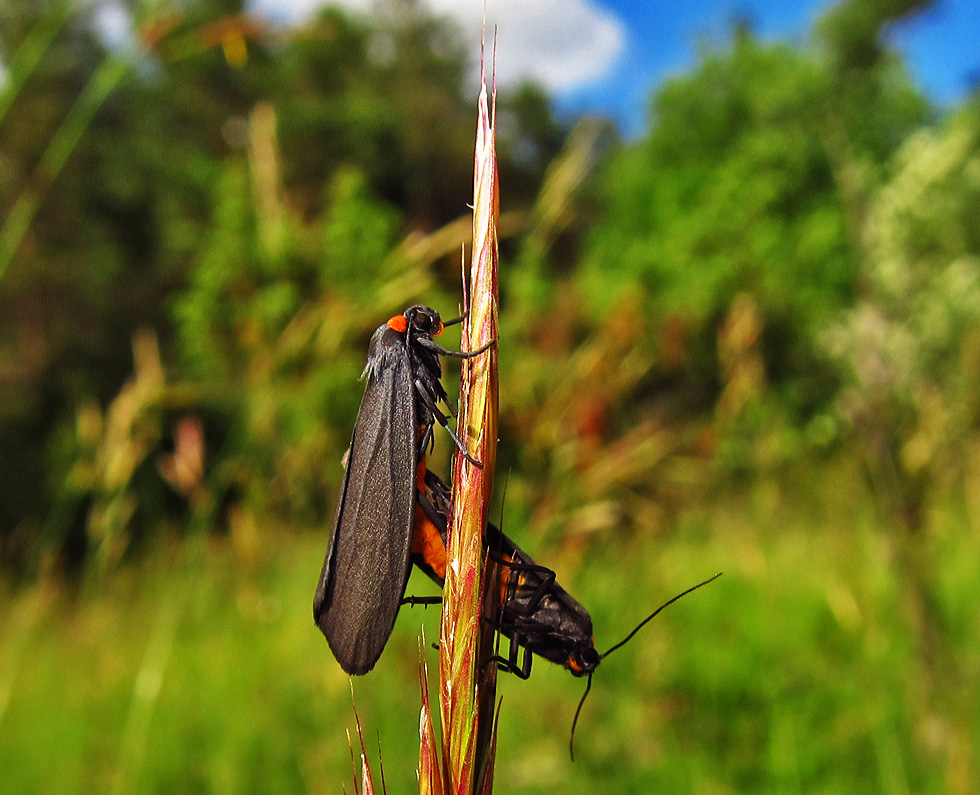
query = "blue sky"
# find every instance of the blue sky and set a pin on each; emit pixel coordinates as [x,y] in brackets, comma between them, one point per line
[607,56]
[942,47]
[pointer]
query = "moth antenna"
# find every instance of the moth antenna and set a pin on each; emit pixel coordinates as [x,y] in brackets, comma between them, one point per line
[653,615]
[571,736]
[588,686]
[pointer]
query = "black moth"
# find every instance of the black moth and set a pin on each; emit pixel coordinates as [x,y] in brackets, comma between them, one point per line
[537,615]
[367,561]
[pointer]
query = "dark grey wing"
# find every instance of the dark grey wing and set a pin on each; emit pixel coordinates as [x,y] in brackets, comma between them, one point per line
[366,566]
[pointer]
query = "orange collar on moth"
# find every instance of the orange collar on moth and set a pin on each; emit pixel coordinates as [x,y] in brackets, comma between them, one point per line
[398,323]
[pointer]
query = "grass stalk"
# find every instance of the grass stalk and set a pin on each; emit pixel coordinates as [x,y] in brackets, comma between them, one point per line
[466,680]
[102,83]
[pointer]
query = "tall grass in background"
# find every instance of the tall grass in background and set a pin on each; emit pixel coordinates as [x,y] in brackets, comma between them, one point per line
[789,673]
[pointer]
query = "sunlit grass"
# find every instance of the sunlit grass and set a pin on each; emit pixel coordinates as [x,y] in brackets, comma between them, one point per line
[791,673]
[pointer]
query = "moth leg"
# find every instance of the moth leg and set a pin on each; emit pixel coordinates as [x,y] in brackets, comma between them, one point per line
[429,509]
[426,440]
[515,663]
[548,578]
[424,601]
[443,420]
[435,347]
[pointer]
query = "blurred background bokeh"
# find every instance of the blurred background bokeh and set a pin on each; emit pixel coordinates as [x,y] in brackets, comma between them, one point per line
[740,332]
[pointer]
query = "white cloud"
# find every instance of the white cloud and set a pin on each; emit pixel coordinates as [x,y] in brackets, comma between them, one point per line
[562,44]
[114,24]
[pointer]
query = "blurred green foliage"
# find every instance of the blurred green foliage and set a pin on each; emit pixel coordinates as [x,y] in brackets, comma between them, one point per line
[240,182]
[748,340]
